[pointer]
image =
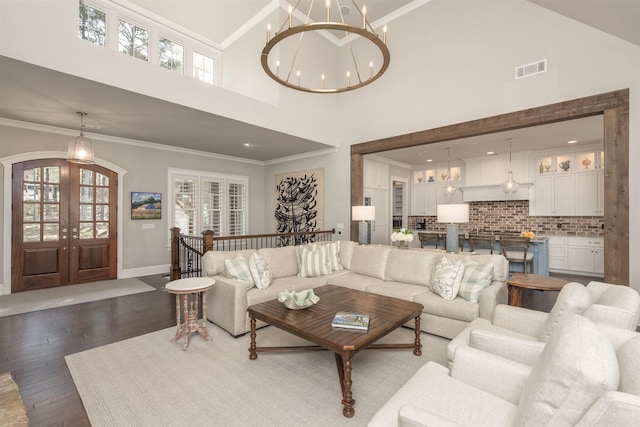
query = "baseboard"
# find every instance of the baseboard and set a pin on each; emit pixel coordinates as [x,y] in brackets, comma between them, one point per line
[145,271]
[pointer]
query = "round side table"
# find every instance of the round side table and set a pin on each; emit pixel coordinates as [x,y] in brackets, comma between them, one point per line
[188,292]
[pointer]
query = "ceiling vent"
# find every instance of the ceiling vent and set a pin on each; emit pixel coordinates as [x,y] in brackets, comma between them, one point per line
[531,69]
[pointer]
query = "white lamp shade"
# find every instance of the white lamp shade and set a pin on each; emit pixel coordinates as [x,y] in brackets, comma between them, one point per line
[453,213]
[363,213]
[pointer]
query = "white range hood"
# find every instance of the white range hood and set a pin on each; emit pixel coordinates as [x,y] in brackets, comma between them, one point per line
[488,193]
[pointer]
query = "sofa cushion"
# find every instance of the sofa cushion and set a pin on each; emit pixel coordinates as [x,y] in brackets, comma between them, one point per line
[447,278]
[476,277]
[578,365]
[260,271]
[370,260]
[628,356]
[346,253]
[213,261]
[405,291]
[352,280]
[458,308]
[282,261]
[238,268]
[572,299]
[314,262]
[407,266]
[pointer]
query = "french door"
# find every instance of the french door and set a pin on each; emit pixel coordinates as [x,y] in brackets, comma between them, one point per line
[64,224]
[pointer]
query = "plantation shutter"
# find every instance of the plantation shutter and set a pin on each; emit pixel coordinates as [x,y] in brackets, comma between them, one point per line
[185,202]
[237,193]
[213,206]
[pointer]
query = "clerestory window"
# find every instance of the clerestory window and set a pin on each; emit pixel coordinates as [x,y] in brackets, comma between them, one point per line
[92,25]
[133,40]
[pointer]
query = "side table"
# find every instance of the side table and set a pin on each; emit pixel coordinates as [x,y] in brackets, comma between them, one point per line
[520,281]
[188,292]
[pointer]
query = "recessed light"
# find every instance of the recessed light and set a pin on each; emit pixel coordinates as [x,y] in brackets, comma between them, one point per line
[429,160]
[573,141]
[247,144]
[491,153]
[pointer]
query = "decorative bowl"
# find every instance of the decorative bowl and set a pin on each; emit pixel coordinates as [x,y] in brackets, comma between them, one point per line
[298,300]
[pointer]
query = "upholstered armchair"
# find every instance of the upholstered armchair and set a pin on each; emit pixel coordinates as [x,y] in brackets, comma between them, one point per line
[520,334]
[575,380]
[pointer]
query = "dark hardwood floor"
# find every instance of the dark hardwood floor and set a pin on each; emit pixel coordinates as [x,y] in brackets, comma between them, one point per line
[33,345]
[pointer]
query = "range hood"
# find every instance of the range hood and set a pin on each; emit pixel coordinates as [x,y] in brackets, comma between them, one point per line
[490,193]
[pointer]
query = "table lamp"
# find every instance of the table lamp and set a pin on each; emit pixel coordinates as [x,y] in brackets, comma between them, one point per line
[453,214]
[363,214]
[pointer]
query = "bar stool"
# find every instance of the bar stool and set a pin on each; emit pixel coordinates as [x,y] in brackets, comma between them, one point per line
[515,250]
[428,238]
[476,240]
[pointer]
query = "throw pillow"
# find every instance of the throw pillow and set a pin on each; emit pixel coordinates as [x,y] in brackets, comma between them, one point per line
[333,252]
[238,268]
[314,263]
[476,277]
[260,271]
[447,278]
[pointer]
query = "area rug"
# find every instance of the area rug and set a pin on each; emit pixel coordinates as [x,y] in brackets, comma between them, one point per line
[12,410]
[24,302]
[148,381]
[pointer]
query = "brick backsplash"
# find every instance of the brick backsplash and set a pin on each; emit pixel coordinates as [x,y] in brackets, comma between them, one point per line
[513,215]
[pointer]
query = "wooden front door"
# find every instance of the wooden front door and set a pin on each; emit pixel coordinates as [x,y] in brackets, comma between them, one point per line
[64,225]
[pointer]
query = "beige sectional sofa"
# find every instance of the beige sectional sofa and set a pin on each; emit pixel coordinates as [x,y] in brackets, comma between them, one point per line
[385,270]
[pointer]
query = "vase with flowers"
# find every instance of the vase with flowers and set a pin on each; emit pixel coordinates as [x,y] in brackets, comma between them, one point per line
[403,236]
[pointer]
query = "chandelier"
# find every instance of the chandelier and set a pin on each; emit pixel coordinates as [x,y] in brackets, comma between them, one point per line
[81,148]
[286,67]
[449,189]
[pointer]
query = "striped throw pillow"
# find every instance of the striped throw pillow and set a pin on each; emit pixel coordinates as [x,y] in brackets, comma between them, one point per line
[238,268]
[260,271]
[476,277]
[314,263]
[333,254]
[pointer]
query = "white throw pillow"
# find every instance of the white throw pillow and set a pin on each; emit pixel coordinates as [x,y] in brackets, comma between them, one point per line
[333,252]
[238,268]
[447,278]
[314,263]
[260,271]
[476,277]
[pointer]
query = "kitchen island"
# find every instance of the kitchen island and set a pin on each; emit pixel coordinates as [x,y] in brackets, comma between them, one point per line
[538,246]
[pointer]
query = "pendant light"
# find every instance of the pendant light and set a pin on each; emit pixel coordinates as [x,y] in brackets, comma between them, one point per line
[81,148]
[510,186]
[449,189]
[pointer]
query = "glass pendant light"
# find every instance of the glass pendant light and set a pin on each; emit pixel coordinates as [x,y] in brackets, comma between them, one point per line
[510,186]
[81,148]
[449,189]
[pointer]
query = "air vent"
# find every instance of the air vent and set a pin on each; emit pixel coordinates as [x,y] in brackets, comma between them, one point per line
[531,69]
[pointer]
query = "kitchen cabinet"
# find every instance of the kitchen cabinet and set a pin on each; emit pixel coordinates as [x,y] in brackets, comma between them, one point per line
[376,175]
[590,193]
[554,195]
[558,258]
[586,255]
[381,227]
[427,187]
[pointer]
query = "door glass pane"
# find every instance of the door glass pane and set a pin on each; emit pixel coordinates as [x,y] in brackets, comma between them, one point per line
[31,175]
[86,230]
[51,212]
[31,232]
[52,174]
[31,212]
[86,194]
[102,230]
[51,232]
[102,213]
[86,177]
[86,212]
[102,195]
[102,180]
[51,193]
[31,193]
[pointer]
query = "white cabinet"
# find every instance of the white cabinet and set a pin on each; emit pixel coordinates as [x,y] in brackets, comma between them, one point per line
[381,227]
[554,195]
[558,258]
[590,193]
[586,255]
[427,185]
[376,175]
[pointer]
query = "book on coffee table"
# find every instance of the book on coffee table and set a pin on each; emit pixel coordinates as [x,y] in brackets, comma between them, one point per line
[350,320]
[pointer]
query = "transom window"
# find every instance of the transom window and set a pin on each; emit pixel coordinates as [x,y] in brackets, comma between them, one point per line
[203,67]
[171,55]
[92,25]
[206,201]
[133,40]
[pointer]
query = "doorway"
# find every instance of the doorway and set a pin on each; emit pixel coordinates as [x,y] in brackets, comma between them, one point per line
[64,227]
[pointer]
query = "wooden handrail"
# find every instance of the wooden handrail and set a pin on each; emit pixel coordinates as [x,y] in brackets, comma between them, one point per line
[186,250]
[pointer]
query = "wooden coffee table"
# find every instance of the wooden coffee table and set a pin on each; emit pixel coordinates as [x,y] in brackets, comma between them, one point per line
[314,324]
[520,281]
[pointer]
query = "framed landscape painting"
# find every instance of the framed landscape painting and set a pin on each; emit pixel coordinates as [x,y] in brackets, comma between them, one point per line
[146,205]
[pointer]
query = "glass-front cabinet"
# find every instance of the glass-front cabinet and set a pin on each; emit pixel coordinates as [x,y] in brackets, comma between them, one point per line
[427,186]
